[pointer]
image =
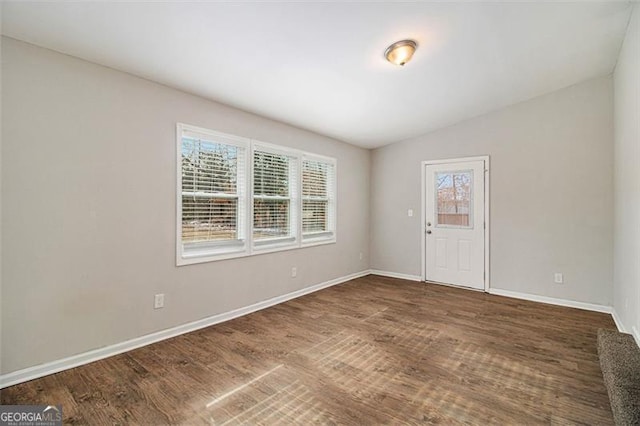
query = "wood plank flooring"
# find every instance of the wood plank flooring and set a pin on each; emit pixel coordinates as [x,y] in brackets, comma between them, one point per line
[371,351]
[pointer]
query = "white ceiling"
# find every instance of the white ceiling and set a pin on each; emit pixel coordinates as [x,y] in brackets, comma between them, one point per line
[320,66]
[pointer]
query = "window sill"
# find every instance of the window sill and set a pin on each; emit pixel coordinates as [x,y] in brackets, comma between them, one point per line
[265,248]
[275,244]
[318,241]
[204,257]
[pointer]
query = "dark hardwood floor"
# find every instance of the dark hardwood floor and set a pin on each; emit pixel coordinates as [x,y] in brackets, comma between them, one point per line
[371,351]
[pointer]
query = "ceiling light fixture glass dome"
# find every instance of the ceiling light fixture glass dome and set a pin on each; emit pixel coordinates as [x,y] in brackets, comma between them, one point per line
[400,52]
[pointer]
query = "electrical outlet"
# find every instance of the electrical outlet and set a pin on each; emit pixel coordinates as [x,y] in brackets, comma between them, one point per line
[294,272]
[558,278]
[410,212]
[158,301]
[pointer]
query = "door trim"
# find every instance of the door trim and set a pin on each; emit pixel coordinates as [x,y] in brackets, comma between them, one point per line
[487,221]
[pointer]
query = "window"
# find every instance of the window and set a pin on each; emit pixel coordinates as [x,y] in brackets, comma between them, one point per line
[274,195]
[238,197]
[212,191]
[318,196]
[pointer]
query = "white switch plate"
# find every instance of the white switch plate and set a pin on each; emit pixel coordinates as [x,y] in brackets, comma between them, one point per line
[158,301]
[361,256]
[558,278]
[410,212]
[294,272]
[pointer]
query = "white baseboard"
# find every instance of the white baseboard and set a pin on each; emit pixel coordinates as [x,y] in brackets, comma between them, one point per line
[622,329]
[396,275]
[41,370]
[618,321]
[552,301]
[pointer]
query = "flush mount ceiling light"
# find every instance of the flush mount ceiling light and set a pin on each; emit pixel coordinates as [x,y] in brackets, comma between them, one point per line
[400,52]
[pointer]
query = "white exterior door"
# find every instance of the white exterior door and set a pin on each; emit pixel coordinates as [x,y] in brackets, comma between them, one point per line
[455,223]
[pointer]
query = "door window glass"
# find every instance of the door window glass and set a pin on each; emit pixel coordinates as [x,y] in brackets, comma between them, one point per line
[454,192]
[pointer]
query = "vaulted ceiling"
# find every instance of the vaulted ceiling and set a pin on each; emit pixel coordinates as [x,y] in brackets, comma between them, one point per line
[320,66]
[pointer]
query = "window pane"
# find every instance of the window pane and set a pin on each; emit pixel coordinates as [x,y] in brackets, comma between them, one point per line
[317,196]
[210,190]
[454,198]
[209,167]
[208,219]
[314,216]
[270,218]
[272,191]
[270,174]
[314,179]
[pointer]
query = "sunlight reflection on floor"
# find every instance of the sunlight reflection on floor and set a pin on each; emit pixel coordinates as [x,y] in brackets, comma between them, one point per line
[369,364]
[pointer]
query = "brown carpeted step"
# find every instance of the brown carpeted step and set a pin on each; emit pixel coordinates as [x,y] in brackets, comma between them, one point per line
[620,363]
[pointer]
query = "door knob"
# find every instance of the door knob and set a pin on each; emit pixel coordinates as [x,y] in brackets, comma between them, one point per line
[428,223]
[428,231]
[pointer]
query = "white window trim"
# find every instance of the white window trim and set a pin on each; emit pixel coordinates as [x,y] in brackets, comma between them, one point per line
[246,246]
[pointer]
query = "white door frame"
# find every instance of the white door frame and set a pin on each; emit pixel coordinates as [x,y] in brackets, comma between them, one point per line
[423,227]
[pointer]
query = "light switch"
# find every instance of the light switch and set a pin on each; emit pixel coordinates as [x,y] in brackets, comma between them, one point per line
[410,212]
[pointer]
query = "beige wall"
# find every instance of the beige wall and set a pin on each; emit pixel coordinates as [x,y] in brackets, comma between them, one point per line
[627,179]
[1,199]
[551,193]
[88,212]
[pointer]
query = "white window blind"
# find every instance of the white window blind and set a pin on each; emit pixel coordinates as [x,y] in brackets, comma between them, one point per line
[238,197]
[274,197]
[213,186]
[318,198]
